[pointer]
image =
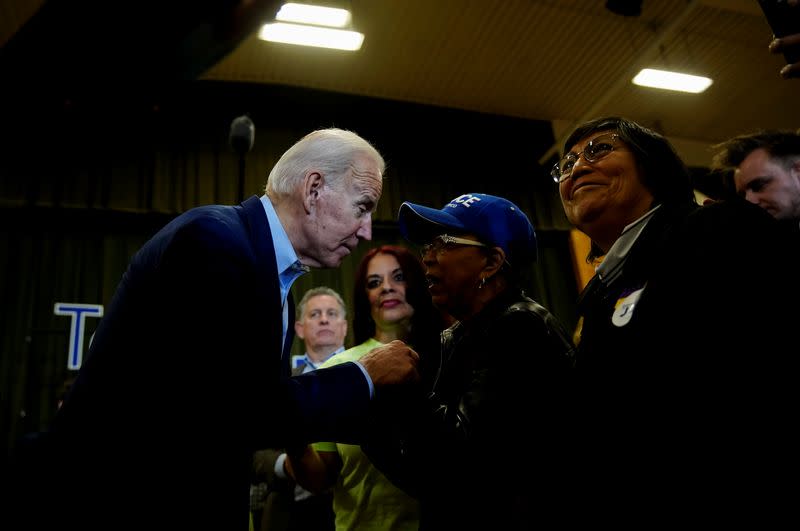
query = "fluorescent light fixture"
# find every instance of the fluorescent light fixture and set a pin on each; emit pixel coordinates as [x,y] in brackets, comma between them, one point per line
[664,79]
[311,36]
[307,14]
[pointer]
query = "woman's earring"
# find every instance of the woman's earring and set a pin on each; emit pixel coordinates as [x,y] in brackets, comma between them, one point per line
[482,283]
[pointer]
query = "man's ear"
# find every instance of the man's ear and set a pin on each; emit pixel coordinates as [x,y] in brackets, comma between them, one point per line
[312,185]
[299,330]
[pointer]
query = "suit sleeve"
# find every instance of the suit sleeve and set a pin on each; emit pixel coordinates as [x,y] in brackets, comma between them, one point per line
[231,348]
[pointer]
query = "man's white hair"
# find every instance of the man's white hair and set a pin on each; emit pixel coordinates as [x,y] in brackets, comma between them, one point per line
[331,152]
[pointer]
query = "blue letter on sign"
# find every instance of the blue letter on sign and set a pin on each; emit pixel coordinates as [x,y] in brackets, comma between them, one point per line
[78,313]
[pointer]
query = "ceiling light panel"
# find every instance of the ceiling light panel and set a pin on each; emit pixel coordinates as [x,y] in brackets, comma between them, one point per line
[664,79]
[312,36]
[308,14]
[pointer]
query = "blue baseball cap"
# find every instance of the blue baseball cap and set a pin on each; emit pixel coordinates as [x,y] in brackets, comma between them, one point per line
[494,220]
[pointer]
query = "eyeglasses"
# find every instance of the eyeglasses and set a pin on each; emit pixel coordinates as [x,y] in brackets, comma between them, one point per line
[442,242]
[595,149]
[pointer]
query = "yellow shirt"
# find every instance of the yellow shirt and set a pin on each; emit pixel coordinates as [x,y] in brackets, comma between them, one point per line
[363,498]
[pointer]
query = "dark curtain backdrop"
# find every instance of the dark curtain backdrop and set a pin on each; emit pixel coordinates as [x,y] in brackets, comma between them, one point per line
[84,183]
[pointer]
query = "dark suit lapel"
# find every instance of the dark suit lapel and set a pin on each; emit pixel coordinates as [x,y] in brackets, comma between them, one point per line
[267,287]
[287,346]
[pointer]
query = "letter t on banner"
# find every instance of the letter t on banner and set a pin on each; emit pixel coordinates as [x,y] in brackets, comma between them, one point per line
[78,312]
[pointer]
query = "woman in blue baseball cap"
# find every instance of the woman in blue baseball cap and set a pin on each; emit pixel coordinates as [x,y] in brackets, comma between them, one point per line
[502,373]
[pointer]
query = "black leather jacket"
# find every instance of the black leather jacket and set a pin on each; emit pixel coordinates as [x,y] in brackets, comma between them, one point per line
[463,449]
[691,392]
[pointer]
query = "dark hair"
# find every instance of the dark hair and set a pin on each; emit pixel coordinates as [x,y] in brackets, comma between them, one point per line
[662,171]
[782,145]
[427,321]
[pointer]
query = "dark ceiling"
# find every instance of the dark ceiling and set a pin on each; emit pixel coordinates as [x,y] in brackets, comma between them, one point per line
[563,61]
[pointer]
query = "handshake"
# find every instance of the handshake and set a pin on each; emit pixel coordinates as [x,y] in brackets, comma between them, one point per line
[391,364]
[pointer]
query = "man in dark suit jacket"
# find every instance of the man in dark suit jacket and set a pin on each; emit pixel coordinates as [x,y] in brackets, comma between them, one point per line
[158,430]
[321,323]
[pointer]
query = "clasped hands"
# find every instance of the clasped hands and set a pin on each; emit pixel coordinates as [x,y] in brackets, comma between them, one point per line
[391,364]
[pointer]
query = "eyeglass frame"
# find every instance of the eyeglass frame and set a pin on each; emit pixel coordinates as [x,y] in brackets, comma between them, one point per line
[440,243]
[559,176]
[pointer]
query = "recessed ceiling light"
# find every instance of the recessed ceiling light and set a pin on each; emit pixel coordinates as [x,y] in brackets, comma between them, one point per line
[308,14]
[311,36]
[664,79]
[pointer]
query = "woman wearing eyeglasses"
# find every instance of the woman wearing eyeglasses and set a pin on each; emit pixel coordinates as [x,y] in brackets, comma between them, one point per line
[684,347]
[484,440]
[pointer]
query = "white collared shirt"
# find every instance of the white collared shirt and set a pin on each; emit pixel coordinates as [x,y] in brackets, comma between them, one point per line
[308,364]
[290,269]
[610,267]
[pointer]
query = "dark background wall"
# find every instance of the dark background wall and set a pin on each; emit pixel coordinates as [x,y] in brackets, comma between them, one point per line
[84,181]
